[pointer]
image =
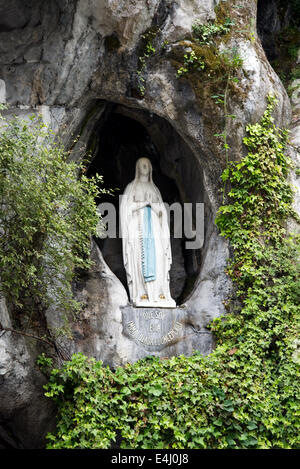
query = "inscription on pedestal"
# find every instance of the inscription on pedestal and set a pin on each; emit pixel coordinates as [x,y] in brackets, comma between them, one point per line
[154,328]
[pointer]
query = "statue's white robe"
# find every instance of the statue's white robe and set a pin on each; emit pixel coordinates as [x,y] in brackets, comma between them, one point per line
[136,196]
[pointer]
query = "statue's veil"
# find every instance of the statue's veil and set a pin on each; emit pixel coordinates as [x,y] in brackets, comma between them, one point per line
[137,173]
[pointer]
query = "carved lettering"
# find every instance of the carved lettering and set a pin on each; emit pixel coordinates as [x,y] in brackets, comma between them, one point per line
[155,327]
[153,315]
[147,340]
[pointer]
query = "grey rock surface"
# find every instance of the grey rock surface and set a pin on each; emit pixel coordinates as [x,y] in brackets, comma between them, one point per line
[26,415]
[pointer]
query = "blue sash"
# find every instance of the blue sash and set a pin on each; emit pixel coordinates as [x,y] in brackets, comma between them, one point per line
[148,247]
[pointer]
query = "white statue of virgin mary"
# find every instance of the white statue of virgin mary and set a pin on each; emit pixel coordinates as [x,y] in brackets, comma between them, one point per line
[146,240]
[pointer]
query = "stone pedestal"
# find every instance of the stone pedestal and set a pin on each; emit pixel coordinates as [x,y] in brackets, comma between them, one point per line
[163,331]
[154,328]
[158,304]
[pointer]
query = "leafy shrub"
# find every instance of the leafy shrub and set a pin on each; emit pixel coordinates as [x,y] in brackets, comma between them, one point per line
[47,215]
[246,393]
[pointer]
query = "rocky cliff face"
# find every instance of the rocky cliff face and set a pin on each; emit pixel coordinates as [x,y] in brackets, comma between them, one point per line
[89,66]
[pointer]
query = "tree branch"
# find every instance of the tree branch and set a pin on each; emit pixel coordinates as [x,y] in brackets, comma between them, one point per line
[9,329]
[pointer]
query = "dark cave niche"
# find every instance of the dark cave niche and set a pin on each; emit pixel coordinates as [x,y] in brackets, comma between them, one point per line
[118,139]
[272,17]
[278,27]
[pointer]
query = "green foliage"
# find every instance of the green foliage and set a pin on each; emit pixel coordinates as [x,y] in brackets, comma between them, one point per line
[208,37]
[191,62]
[259,188]
[233,61]
[232,58]
[246,393]
[206,33]
[293,52]
[47,215]
[295,73]
[45,363]
[148,50]
[295,11]
[211,61]
[218,67]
